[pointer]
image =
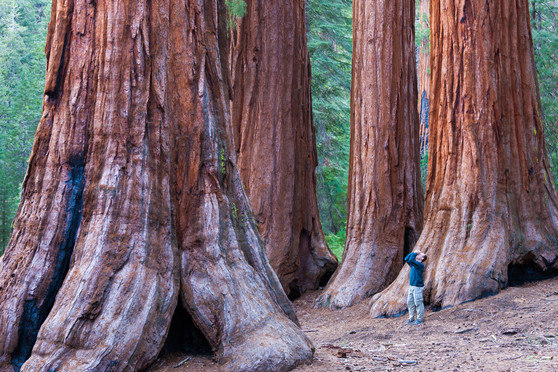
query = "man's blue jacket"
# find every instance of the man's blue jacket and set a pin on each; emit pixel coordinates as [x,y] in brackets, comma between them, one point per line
[417,268]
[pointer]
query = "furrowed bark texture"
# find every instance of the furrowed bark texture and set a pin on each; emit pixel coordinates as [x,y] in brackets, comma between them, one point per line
[491,207]
[132,198]
[276,143]
[385,194]
[424,77]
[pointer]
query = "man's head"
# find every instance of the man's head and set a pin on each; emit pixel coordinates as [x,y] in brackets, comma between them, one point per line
[421,257]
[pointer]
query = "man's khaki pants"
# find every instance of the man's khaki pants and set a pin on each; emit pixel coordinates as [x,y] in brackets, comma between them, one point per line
[414,302]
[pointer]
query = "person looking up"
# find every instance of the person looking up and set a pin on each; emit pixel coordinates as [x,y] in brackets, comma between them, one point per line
[416,284]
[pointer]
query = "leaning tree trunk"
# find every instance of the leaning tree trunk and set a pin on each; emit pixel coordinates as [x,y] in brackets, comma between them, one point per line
[424,75]
[276,143]
[385,194]
[491,205]
[132,199]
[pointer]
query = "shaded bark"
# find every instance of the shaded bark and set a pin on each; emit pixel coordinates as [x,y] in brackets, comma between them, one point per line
[385,193]
[424,77]
[490,200]
[132,199]
[276,143]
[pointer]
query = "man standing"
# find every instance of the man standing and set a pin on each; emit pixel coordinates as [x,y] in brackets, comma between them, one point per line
[414,299]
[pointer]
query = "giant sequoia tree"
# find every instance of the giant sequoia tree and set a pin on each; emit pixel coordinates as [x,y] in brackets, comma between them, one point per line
[491,208]
[385,193]
[132,206]
[275,140]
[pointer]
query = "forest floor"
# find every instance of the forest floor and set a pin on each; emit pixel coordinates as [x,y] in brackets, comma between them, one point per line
[516,330]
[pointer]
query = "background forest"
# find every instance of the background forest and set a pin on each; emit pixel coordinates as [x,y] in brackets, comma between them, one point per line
[23,26]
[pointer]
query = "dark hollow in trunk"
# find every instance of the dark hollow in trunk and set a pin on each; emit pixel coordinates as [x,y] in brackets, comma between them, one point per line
[527,271]
[184,336]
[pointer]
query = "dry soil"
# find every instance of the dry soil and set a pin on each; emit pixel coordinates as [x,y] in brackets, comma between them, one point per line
[516,330]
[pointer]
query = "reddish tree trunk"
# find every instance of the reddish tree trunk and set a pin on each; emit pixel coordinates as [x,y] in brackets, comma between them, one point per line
[491,206]
[385,194]
[276,143]
[424,76]
[132,199]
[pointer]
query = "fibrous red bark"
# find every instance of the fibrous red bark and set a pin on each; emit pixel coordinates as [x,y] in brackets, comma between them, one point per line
[385,194]
[132,199]
[491,207]
[276,143]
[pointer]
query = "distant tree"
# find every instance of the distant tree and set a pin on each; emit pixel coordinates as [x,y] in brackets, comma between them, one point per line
[133,209]
[491,207]
[423,51]
[385,197]
[330,44]
[275,140]
[423,42]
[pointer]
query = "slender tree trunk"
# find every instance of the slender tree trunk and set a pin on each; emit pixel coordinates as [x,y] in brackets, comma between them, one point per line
[4,223]
[491,207]
[276,143]
[385,194]
[534,14]
[132,199]
[424,76]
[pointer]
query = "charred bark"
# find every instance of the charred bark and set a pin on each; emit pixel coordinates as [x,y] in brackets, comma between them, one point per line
[133,198]
[385,193]
[490,199]
[276,143]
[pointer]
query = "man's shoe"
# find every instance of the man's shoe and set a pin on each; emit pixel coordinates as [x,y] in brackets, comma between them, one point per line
[409,322]
[417,322]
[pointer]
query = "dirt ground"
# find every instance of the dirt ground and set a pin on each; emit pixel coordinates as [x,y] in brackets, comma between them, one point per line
[516,330]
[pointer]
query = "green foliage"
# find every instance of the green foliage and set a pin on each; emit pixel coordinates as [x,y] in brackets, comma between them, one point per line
[424,169]
[236,9]
[336,242]
[330,47]
[544,23]
[22,72]
[422,32]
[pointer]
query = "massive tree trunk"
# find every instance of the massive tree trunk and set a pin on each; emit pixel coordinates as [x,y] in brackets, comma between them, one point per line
[491,208]
[132,199]
[276,143]
[385,194]
[424,75]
